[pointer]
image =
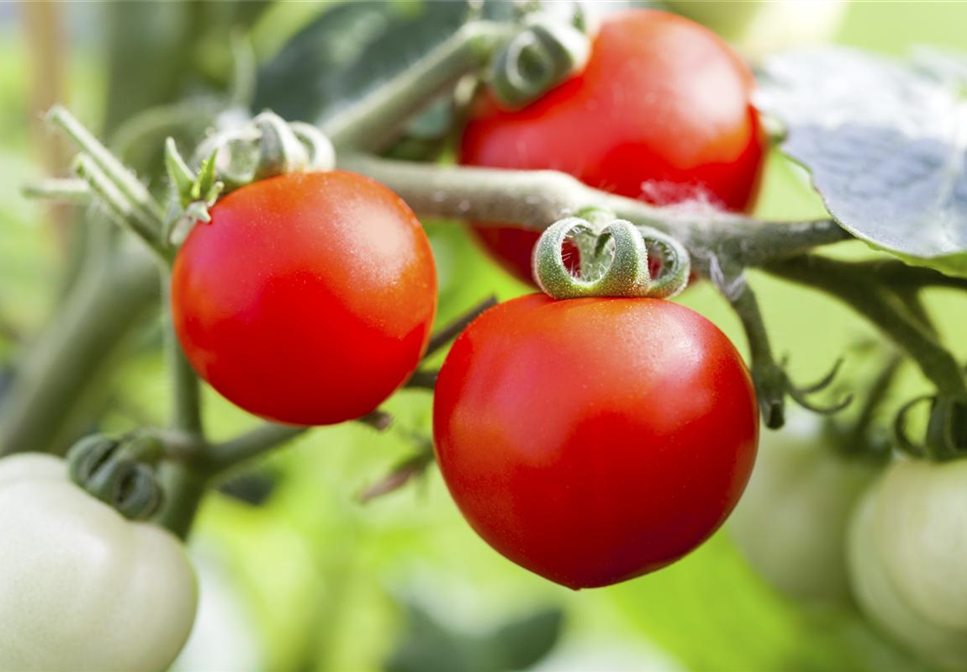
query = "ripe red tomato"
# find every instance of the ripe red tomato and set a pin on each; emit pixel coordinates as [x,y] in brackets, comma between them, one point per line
[594,440]
[308,299]
[662,112]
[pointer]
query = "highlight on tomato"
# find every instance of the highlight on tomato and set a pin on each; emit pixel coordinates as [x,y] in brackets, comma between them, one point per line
[662,112]
[309,297]
[593,440]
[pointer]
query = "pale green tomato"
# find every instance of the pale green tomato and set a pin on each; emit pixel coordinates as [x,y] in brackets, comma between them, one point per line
[922,532]
[757,29]
[82,588]
[878,597]
[791,521]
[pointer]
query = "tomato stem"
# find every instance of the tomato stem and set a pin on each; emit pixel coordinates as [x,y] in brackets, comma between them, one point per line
[70,190]
[112,183]
[851,284]
[440,339]
[184,488]
[535,199]
[228,455]
[423,379]
[377,119]
[185,387]
[59,377]
[769,378]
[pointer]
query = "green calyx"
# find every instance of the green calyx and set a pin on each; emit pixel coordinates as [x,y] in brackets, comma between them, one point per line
[120,473]
[544,54]
[614,256]
[264,147]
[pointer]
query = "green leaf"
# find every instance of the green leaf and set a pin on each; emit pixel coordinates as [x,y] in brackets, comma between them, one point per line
[884,141]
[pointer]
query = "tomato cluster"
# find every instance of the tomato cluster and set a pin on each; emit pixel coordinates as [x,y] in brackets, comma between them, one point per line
[626,428]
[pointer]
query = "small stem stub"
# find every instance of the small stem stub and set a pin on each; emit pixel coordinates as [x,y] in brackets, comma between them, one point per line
[614,257]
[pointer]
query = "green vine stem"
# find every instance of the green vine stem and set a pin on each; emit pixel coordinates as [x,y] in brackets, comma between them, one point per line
[856,440]
[535,199]
[852,284]
[446,334]
[252,444]
[770,380]
[378,118]
[128,201]
[59,375]
[185,386]
[184,487]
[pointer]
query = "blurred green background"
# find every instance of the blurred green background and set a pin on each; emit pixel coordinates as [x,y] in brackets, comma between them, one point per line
[296,573]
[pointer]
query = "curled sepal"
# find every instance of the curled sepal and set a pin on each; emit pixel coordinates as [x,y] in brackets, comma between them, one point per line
[545,53]
[800,393]
[264,147]
[946,433]
[195,193]
[947,428]
[322,154]
[613,260]
[901,433]
[119,473]
[280,150]
[88,455]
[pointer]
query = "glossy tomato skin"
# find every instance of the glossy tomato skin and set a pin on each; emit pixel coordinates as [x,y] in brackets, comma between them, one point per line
[662,112]
[309,297]
[81,587]
[594,440]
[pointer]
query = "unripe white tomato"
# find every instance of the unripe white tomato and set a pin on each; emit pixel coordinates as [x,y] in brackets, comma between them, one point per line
[880,600]
[81,587]
[791,521]
[922,533]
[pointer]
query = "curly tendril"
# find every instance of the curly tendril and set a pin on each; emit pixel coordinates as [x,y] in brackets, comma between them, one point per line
[613,259]
[118,473]
[545,53]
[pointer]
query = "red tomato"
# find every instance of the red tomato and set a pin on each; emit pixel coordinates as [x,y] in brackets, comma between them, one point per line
[662,113]
[309,297]
[594,440]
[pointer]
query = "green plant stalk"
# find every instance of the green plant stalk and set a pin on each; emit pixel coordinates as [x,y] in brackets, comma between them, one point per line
[230,454]
[57,373]
[535,199]
[849,283]
[184,487]
[185,386]
[378,118]
[771,383]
